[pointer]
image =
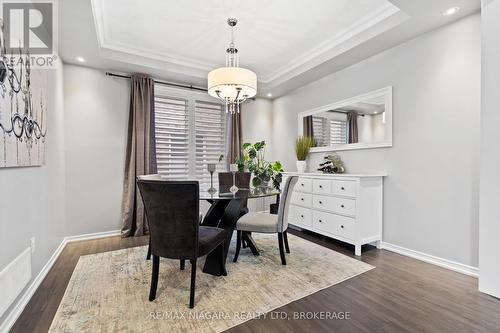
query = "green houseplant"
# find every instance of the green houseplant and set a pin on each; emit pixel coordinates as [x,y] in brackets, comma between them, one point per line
[263,171]
[303,145]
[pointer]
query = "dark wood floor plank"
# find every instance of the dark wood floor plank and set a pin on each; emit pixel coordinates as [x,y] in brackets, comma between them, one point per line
[400,295]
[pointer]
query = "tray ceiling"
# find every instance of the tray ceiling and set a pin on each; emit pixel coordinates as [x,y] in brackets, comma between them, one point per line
[277,39]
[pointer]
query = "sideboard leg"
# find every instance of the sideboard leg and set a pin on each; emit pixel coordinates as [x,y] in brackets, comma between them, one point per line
[357,250]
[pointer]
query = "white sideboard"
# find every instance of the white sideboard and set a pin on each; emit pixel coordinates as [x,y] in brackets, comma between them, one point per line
[346,207]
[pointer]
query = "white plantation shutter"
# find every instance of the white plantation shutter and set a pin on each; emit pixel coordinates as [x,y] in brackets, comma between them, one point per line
[210,134]
[190,133]
[338,132]
[172,137]
[320,131]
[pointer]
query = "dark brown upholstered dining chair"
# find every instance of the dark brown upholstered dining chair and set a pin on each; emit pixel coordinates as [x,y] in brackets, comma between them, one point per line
[242,179]
[172,210]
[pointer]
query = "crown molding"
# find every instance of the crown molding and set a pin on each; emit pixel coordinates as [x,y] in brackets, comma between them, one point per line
[351,36]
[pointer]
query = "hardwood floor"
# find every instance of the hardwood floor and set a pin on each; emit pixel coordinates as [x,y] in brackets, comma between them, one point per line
[400,295]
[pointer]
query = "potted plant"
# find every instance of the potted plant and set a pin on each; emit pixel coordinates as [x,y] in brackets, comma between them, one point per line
[302,146]
[263,172]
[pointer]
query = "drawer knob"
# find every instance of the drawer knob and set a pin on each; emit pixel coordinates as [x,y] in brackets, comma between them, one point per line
[302,216]
[342,188]
[342,206]
[302,184]
[320,221]
[301,199]
[321,186]
[342,226]
[320,202]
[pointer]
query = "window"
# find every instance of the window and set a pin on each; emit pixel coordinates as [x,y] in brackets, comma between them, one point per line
[172,136]
[320,131]
[329,132]
[338,132]
[190,133]
[210,130]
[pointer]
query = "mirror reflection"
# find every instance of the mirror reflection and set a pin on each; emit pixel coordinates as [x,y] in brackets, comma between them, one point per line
[358,122]
[361,122]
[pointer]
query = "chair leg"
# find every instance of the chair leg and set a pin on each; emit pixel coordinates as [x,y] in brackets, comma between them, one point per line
[282,251]
[148,256]
[238,245]
[285,238]
[154,278]
[183,262]
[222,258]
[193,283]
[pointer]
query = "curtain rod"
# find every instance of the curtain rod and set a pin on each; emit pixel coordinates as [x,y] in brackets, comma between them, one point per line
[170,84]
[345,112]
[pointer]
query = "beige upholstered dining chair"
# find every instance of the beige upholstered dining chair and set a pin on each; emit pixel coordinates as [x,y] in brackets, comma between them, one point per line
[269,223]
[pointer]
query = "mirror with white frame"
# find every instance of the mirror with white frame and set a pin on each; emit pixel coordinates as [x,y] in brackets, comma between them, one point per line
[360,122]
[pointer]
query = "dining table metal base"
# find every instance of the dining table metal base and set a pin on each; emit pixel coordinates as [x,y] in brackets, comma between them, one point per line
[222,214]
[225,210]
[250,243]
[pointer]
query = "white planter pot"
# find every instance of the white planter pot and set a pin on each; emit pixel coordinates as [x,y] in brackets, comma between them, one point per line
[301,166]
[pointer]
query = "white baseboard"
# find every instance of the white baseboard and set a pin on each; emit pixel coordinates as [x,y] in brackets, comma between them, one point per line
[18,308]
[95,235]
[445,263]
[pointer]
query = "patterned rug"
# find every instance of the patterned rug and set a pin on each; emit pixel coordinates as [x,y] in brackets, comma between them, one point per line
[108,292]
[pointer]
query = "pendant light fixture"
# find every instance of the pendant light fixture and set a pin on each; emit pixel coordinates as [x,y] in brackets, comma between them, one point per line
[232,84]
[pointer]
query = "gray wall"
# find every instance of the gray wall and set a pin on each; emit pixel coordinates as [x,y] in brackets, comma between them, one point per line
[32,199]
[256,121]
[96,125]
[256,125]
[489,214]
[430,195]
[96,122]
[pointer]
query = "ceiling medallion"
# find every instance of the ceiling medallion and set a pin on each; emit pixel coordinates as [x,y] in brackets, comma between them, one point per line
[232,84]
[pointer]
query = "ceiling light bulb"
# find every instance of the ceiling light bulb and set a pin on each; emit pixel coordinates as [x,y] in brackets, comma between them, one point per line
[269,95]
[80,59]
[451,11]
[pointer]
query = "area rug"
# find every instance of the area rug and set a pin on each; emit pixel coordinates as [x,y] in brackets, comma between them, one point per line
[108,292]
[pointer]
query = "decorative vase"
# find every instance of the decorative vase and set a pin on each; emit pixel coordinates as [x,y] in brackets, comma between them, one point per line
[301,166]
[211,167]
[259,182]
[233,168]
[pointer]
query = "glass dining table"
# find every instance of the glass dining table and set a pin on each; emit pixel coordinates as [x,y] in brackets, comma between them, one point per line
[225,210]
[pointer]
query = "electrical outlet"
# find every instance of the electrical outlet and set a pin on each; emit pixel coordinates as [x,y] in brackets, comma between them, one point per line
[32,244]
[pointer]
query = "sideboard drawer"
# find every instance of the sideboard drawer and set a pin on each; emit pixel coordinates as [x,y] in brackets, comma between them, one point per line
[334,224]
[303,185]
[301,199]
[335,204]
[300,216]
[322,186]
[344,187]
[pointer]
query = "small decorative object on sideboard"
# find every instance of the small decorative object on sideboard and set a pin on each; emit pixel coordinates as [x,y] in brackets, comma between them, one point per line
[332,164]
[302,146]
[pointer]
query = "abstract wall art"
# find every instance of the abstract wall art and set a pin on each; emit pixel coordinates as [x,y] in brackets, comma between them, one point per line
[23,111]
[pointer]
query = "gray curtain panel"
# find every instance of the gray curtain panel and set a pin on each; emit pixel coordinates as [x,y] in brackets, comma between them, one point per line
[308,126]
[233,138]
[352,127]
[140,154]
